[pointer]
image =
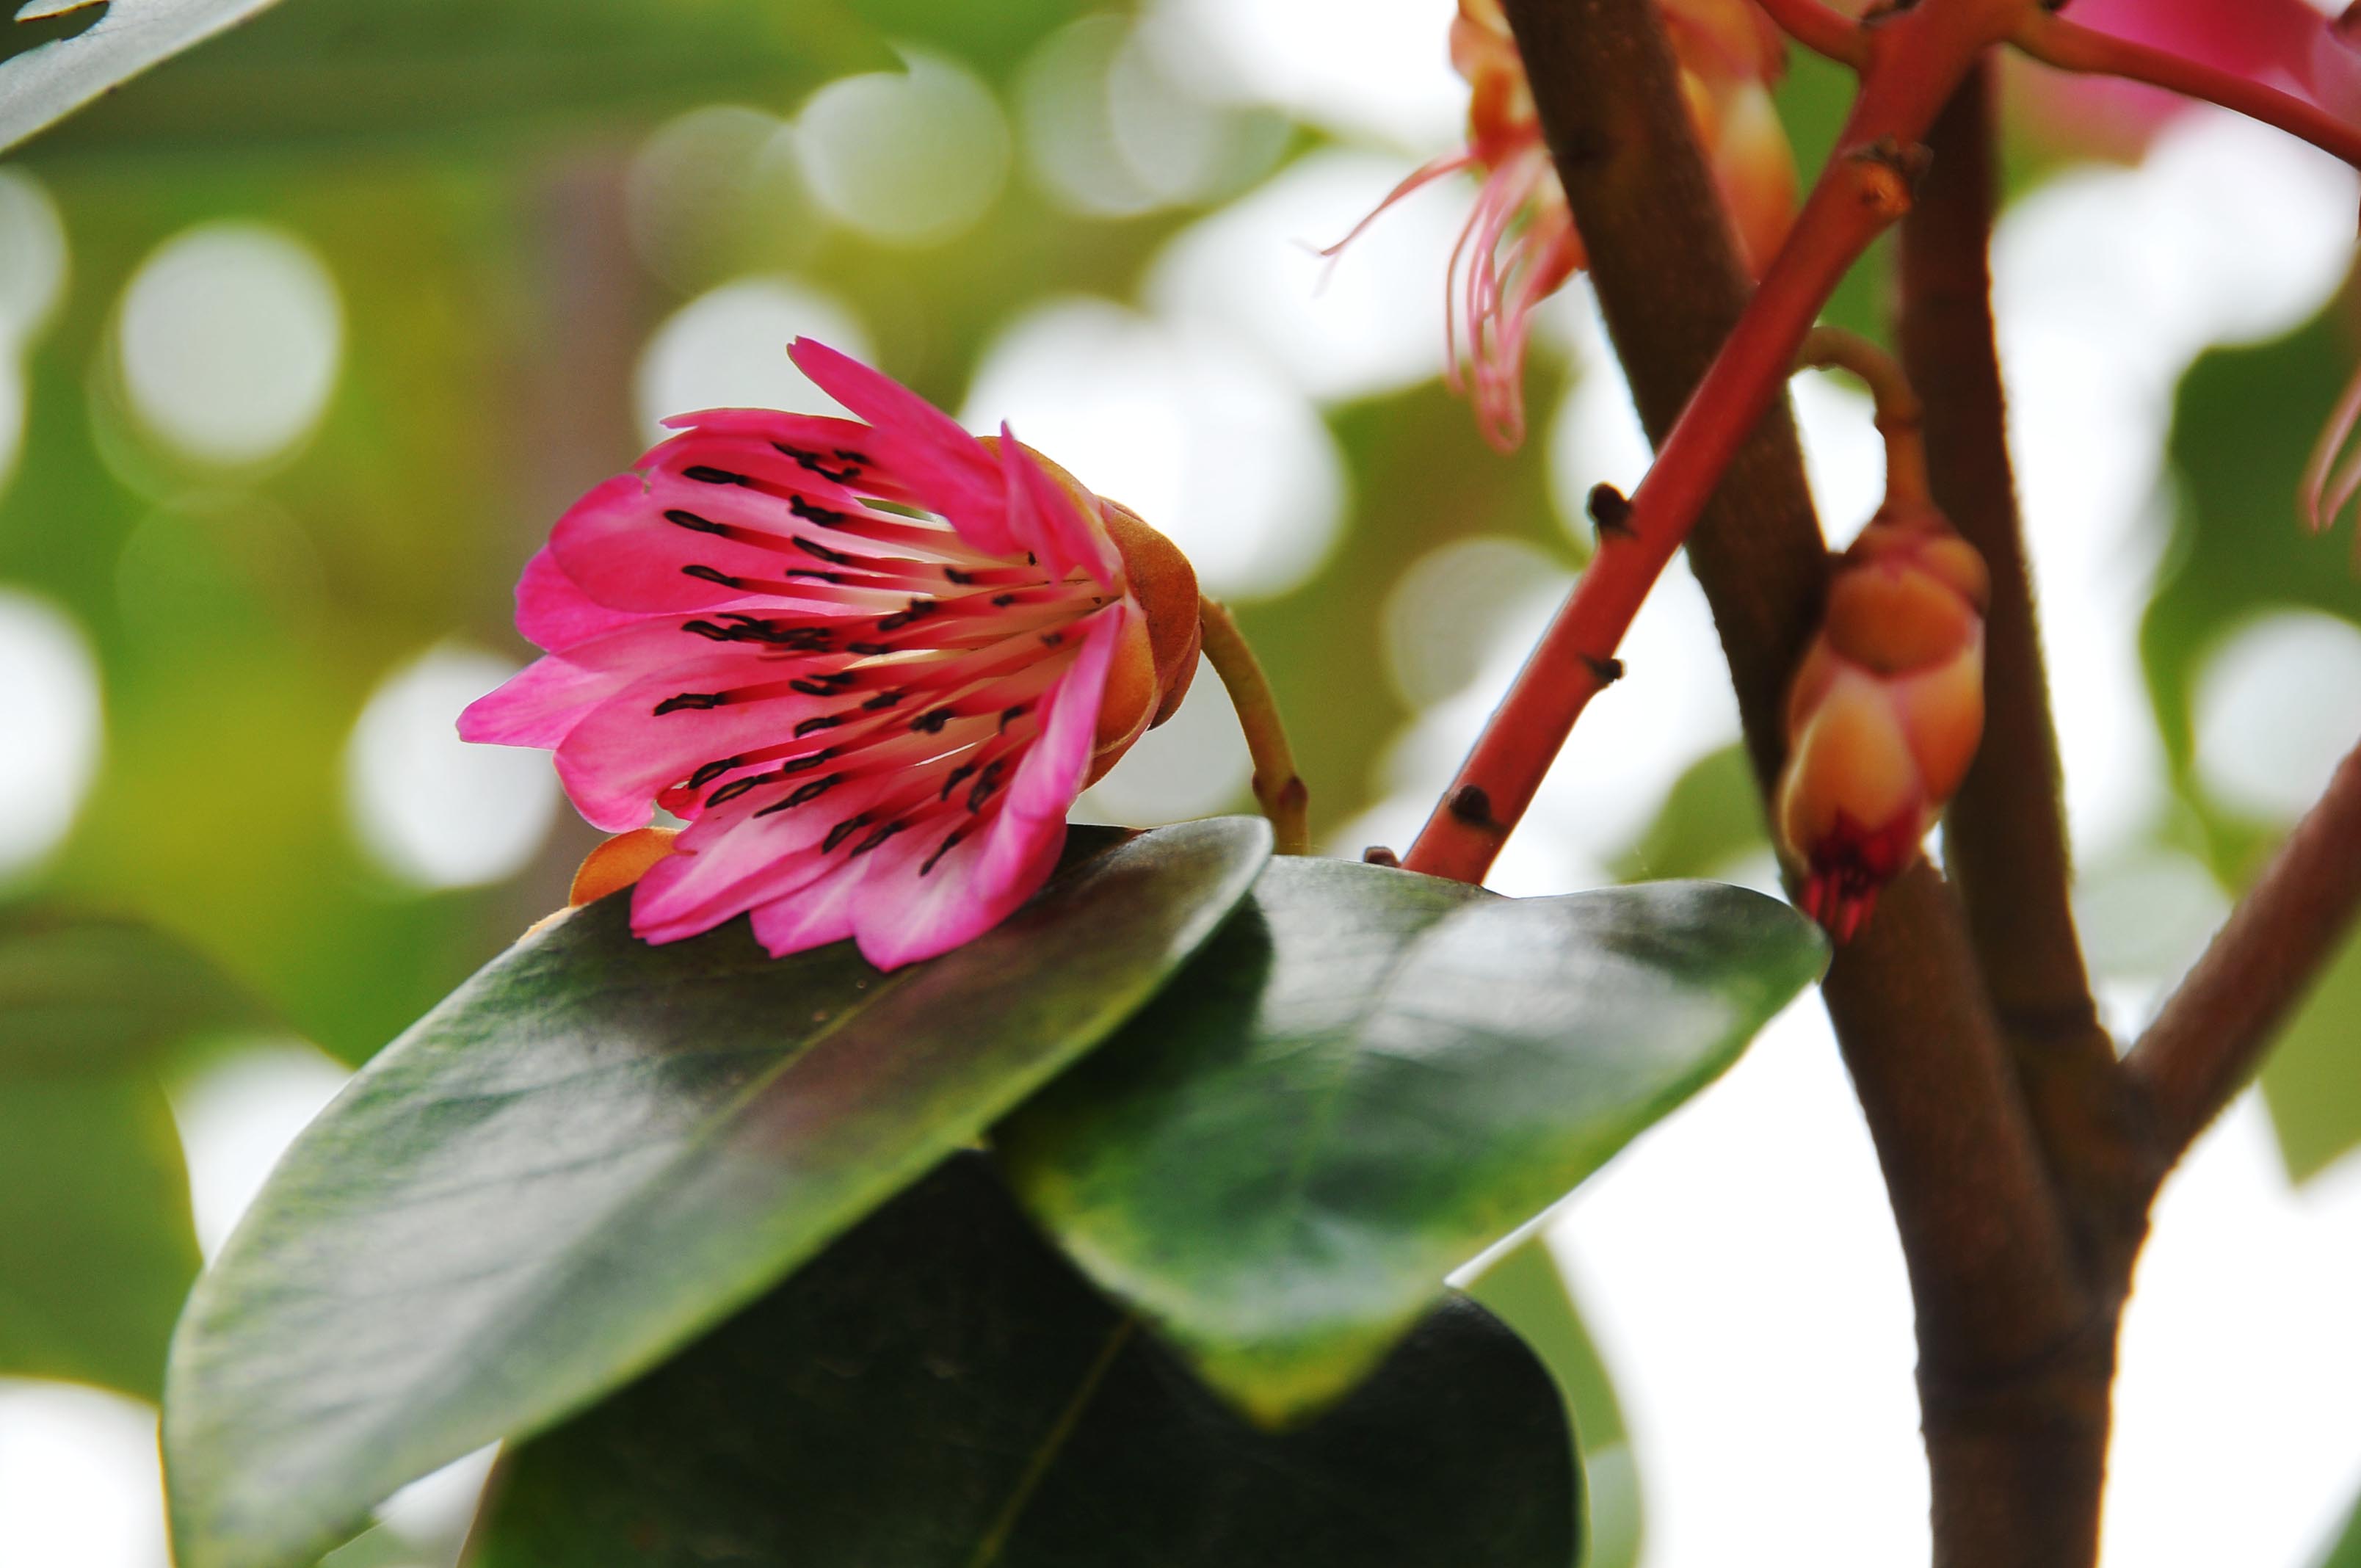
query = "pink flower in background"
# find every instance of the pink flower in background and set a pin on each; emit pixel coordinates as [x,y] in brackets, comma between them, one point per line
[1520,246]
[871,663]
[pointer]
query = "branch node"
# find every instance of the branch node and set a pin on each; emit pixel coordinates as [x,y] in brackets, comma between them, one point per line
[1472,805]
[1610,511]
[1379,855]
[1606,670]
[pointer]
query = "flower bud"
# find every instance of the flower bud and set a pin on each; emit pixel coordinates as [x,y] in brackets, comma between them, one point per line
[1885,711]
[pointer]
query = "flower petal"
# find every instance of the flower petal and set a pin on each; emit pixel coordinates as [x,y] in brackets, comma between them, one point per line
[1045,518]
[943,464]
[538,706]
[554,612]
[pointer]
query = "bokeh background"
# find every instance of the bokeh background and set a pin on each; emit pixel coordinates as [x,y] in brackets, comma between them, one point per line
[298,358]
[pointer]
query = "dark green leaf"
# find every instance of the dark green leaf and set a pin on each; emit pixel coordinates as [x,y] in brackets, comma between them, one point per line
[1525,1289]
[96,1245]
[80,993]
[941,1390]
[334,69]
[1368,1078]
[596,1149]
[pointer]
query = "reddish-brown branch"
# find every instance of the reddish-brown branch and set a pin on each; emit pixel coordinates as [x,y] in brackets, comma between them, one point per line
[2004,840]
[1915,59]
[2211,1033]
[1821,29]
[2053,40]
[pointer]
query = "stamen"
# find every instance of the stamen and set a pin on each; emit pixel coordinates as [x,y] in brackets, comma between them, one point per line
[1011,714]
[694,523]
[843,830]
[868,649]
[711,574]
[712,771]
[932,722]
[735,788]
[1002,601]
[964,579]
[942,850]
[833,557]
[918,610]
[877,838]
[812,726]
[704,474]
[812,462]
[959,776]
[882,700]
[696,701]
[988,785]
[803,794]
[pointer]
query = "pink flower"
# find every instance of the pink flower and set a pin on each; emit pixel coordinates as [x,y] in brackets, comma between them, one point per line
[871,663]
[1520,246]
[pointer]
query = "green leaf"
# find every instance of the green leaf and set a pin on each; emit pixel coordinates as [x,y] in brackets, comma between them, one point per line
[327,70]
[596,1149]
[2311,1080]
[1366,1080]
[941,1390]
[97,1247]
[1710,820]
[1525,1289]
[80,993]
[2347,1552]
[72,63]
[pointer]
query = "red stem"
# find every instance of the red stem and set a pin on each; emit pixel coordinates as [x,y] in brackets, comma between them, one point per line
[1821,29]
[2056,41]
[1916,60]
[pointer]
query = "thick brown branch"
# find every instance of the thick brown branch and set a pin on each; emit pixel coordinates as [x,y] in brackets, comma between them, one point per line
[1987,1249]
[2214,1032]
[2004,840]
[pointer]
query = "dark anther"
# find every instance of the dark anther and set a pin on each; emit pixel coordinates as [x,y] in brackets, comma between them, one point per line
[696,700]
[1002,601]
[775,633]
[820,515]
[959,776]
[1011,714]
[1052,638]
[988,785]
[882,700]
[1611,509]
[735,788]
[843,830]
[693,522]
[964,579]
[1470,804]
[1608,671]
[932,721]
[823,687]
[803,793]
[1379,855]
[813,726]
[942,850]
[712,771]
[867,649]
[794,765]
[812,462]
[877,838]
[918,610]
[830,578]
[705,475]
[711,575]
[833,557]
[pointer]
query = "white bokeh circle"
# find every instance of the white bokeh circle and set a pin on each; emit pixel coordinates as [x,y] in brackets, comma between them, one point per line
[430,808]
[229,342]
[2277,705]
[728,349]
[912,157]
[1202,439]
[51,721]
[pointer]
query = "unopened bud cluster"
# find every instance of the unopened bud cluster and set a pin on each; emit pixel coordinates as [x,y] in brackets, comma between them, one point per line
[1885,711]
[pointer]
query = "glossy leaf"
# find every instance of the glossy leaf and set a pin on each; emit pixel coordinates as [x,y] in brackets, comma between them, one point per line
[1368,1078]
[596,1149]
[73,64]
[80,993]
[941,1390]
[96,1245]
[331,70]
